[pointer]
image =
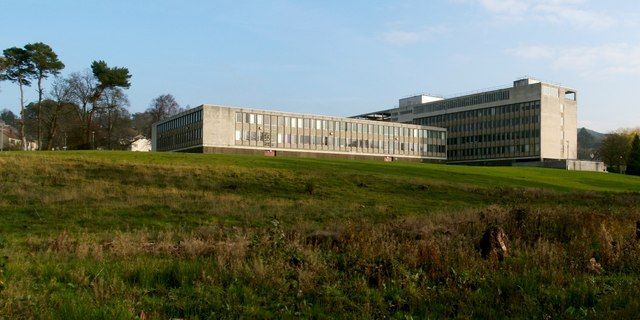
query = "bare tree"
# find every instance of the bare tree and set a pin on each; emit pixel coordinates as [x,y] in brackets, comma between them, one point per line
[163,106]
[142,122]
[113,103]
[61,98]
[89,89]
[81,86]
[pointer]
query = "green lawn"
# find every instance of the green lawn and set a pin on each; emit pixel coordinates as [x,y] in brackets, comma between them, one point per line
[450,174]
[114,234]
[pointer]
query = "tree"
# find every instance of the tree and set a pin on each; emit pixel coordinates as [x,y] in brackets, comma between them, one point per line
[113,113]
[3,65]
[9,117]
[45,62]
[142,122]
[19,69]
[633,165]
[61,97]
[163,106]
[107,79]
[615,150]
[87,90]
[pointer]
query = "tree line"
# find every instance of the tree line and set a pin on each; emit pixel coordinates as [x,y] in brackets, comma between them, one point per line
[620,151]
[84,110]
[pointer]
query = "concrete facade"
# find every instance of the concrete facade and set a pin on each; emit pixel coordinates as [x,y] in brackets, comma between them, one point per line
[529,121]
[212,128]
[571,165]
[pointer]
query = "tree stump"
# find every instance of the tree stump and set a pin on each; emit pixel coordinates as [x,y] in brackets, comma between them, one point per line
[323,238]
[494,243]
[594,267]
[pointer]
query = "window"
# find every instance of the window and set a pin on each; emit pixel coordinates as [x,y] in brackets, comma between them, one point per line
[238,134]
[570,95]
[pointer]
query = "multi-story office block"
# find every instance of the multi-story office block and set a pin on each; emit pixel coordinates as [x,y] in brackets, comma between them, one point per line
[218,129]
[530,121]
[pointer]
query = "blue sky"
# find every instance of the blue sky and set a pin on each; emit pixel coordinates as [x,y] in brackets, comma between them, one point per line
[342,57]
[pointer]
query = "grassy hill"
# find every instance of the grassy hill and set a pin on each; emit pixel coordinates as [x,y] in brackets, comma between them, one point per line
[112,235]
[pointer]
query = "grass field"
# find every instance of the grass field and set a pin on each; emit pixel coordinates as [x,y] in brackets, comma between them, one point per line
[116,235]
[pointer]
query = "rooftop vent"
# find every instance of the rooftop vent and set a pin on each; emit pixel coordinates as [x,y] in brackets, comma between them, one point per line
[417,100]
[525,82]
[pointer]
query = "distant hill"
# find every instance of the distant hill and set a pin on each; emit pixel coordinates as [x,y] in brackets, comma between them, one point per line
[589,142]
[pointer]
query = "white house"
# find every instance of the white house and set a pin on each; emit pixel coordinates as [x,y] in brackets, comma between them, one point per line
[140,143]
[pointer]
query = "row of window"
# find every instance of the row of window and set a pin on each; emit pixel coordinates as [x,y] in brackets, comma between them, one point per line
[480,98]
[494,124]
[179,139]
[330,125]
[179,122]
[467,128]
[417,147]
[495,137]
[496,152]
[473,114]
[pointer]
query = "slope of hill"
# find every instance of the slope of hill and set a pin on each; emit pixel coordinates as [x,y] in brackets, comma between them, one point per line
[589,142]
[113,235]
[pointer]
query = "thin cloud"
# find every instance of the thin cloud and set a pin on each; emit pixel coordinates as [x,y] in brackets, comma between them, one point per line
[606,59]
[532,52]
[400,37]
[572,12]
[404,37]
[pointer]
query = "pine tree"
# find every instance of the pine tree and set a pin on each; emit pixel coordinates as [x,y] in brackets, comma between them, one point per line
[633,166]
[45,61]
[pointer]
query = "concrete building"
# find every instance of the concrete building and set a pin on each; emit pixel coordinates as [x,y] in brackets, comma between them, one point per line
[220,129]
[529,121]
